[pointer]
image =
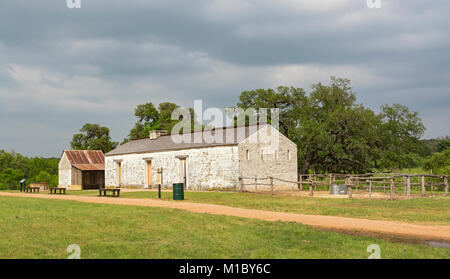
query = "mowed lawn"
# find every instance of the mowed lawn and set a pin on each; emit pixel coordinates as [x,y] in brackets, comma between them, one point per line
[40,228]
[429,210]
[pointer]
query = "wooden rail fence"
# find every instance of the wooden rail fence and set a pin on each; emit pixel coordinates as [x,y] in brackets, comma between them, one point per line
[370,183]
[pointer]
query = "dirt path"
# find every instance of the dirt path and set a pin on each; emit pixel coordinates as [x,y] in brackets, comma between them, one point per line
[327,222]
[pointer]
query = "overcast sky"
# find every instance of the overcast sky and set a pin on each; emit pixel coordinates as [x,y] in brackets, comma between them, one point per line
[61,67]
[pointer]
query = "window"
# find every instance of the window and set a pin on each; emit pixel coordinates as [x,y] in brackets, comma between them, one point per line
[262,155]
[289,155]
[247,155]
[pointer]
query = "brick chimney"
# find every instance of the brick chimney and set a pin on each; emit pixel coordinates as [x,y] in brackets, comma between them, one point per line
[157,133]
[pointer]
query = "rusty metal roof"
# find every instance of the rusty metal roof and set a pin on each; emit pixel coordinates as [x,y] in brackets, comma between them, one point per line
[86,159]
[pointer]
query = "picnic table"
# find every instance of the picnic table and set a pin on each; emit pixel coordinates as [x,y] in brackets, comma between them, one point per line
[105,190]
[32,189]
[58,190]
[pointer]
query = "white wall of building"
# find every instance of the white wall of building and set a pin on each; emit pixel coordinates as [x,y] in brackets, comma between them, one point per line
[64,172]
[210,167]
[262,158]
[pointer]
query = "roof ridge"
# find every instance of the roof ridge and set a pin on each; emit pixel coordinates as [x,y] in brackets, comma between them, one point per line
[202,131]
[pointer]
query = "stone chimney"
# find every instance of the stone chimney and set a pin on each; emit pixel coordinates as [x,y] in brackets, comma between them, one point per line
[157,133]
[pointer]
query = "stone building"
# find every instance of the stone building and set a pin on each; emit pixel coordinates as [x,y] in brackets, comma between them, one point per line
[81,169]
[204,160]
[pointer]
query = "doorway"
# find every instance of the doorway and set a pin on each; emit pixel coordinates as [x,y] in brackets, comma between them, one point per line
[149,174]
[119,166]
[183,173]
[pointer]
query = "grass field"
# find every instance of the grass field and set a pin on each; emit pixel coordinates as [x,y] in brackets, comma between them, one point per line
[36,228]
[429,210]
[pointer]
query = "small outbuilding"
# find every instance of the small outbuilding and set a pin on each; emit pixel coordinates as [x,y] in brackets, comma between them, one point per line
[82,169]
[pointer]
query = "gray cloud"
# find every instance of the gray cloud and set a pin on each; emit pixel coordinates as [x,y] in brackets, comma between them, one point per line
[60,67]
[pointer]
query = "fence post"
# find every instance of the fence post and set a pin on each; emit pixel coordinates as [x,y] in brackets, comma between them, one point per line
[370,189]
[256,183]
[300,185]
[331,181]
[357,184]
[423,185]
[446,185]
[408,187]
[405,184]
[315,180]
[271,183]
[311,193]
[392,189]
[350,188]
[431,182]
[432,186]
[241,182]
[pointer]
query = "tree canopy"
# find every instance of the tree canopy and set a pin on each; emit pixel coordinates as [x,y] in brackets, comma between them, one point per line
[93,137]
[150,118]
[334,133]
[439,162]
[15,167]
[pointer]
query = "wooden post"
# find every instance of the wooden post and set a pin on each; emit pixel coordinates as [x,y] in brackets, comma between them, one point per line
[241,182]
[405,182]
[446,185]
[331,181]
[256,183]
[357,184]
[408,187]
[346,183]
[392,189]
[423,185]
[370,189]
[311,193]
[431,182]
[315,180]
[271,184]
[300,184]
[349,188]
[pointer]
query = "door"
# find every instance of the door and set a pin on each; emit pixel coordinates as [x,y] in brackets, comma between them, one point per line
[119,165]
[149,174]
[183,174]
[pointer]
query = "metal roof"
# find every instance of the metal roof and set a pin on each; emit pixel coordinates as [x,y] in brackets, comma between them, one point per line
[166,143]
[86,159]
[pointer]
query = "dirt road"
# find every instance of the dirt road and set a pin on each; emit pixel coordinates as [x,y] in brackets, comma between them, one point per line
[406,230]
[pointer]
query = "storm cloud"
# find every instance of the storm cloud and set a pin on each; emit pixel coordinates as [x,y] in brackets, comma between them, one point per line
[61,67]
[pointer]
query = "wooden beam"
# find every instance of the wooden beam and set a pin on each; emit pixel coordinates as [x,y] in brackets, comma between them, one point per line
[408,187]
[392,189]
[423,185]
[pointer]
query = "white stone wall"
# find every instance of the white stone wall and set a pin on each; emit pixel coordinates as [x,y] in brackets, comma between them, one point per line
[280,162]
[207,168]
[64,172]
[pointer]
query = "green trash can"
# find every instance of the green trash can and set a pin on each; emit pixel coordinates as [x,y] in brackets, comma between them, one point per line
[178,191]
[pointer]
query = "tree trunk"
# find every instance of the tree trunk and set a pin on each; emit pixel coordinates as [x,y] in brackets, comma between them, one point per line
[305,167]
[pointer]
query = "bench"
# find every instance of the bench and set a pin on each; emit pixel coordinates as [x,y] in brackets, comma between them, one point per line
[32,189]
[60,191]
[105,190]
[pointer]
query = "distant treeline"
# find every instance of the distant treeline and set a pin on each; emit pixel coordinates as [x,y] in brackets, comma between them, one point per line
[333,132]
[15,167]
